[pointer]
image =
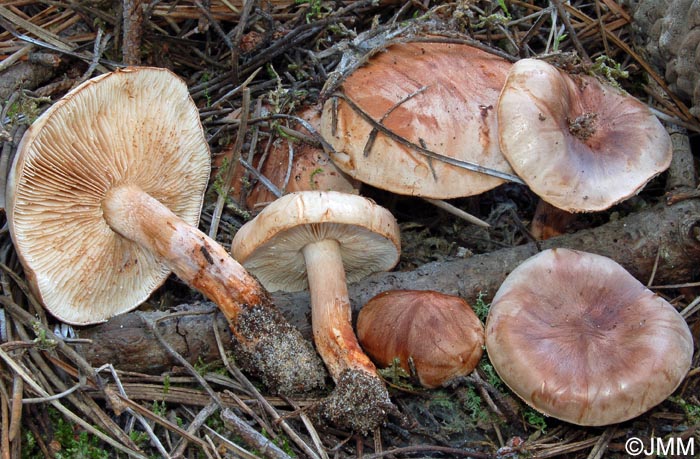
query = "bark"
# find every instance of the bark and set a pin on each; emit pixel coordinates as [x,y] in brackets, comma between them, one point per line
[672,232]
[681,173]
[133,16]
[23,75]
[633,241]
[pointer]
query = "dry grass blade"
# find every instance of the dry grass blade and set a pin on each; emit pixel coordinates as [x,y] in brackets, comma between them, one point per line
[196,423]
[4,421]
[602,444]
[39,32]
[146,426]
[16,411]
[424,151]
[245,431]
[146,413]
[231,162]
[684,113]
[45,39]
[65,411]
[262,400]
[570,29]
[264,446]
[175,395]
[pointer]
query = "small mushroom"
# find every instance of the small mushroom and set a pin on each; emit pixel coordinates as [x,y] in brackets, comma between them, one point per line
[323,240]
[549,221]
[102,198]
[578,144]
[578,338]
[436,335]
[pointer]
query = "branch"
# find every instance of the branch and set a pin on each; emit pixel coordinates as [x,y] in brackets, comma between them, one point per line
[673,232]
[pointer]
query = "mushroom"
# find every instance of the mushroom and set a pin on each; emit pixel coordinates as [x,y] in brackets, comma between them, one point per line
[578,144]
[323,240]
[436,335]
[310,168]
[549,221]
[411,118]
[102,198]
[579,338]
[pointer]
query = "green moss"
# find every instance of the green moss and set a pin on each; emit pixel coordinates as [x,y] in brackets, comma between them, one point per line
[609,69]
[490,372]
[166,384]
[691,410]
[535,419]
[312,185]
[44,341]
[25,110]
[475,406]
[396,375]
[481,308]
[68,441]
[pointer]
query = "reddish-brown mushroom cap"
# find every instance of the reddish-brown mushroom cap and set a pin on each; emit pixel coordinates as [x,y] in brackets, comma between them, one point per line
[439,96]
[438,333]
[311,169]
[578,338]
[580,145]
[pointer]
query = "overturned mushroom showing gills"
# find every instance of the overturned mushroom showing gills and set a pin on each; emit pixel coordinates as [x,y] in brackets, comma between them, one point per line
[102,198]
[578,144]
[323,240]
[578,338]
[438,97]
[436,335]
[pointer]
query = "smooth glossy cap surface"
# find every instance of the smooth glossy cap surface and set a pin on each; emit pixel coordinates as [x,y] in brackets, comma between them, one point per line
[578,338]
[270,246]
[578,144]
[133,126]
[439,96]
[438,333]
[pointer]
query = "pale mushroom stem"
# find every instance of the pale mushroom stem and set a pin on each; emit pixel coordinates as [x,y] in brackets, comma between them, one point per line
[269,346]
[194,257]
[331,312]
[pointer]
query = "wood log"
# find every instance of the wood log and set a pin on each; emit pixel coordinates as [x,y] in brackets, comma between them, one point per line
[671,232]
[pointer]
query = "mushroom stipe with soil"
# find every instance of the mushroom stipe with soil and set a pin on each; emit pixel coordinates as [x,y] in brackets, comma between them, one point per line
[324,240]
[102,198]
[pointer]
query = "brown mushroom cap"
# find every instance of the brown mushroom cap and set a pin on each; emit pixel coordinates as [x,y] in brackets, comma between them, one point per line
[310,168]
[580,145]
[436,95]
[439,333]
[578,338]
[134,126]
[270,246]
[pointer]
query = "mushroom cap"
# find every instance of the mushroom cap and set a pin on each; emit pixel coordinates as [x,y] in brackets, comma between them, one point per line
[578,144]
[442,96]
[311,168]
[578,338]
[134,126]
[270,245]
[439,333]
